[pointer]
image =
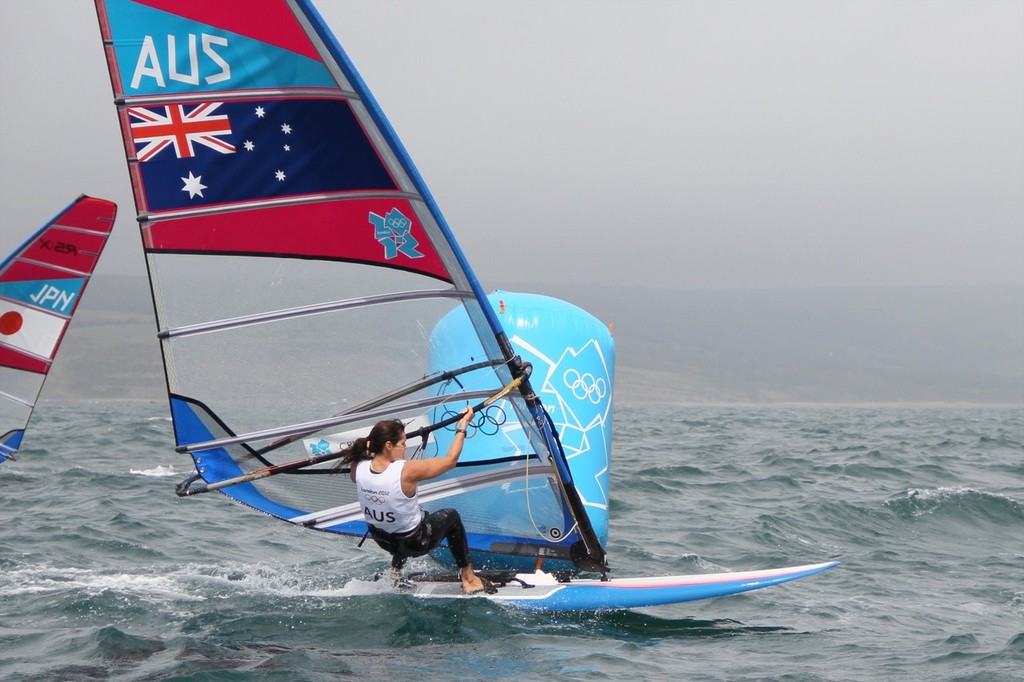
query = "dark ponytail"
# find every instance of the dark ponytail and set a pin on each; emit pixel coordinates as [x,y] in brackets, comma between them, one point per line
[388,430]
[354,453]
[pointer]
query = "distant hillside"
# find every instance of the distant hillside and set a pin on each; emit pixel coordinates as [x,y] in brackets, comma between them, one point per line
[860,345]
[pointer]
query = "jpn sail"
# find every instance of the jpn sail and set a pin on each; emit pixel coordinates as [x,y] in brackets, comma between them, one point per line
[306,285]
[41,284]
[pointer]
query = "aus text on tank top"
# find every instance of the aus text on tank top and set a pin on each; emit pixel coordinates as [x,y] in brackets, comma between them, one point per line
[384,504]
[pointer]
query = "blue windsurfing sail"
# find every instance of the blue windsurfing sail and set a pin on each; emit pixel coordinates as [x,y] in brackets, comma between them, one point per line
[306,285]
[41,284]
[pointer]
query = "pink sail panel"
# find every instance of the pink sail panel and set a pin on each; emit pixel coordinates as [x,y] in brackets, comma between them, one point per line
[383,232]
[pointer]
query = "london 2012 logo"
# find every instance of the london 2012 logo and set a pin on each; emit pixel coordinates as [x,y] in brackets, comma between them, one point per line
[394,232]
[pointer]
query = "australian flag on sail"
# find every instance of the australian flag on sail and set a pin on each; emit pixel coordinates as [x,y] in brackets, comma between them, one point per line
[196,154]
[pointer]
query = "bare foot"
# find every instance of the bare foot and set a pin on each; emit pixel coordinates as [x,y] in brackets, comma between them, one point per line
[471,582]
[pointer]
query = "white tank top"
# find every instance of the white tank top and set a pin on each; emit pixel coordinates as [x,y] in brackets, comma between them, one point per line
[384,504]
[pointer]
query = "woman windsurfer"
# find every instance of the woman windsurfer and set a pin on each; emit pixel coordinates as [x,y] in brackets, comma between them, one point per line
[386,486]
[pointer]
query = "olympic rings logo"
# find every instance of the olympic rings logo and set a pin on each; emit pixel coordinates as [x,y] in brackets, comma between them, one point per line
[376,500]
[585,386]
[487,421]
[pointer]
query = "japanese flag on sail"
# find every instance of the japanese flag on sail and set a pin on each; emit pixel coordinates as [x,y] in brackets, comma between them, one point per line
[29,330]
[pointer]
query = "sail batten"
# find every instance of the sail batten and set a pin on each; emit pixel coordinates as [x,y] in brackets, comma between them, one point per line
[286,201]
[100,234]
[24,402]
[319,309]
[147,100]
[331,422]
[61,268]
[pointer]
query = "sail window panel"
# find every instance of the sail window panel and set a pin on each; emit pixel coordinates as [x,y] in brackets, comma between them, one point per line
[309,492]
[496,433]
[526,508]
[14,413]
[20,386]
[299,369]
[197,289]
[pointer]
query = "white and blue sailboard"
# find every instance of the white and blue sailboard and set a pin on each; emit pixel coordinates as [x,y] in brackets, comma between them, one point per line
[306,285]
[543,591]
[41,285]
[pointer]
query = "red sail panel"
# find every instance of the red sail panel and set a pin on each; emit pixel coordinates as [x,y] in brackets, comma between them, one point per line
[15,360]
[71,250]
[380,231]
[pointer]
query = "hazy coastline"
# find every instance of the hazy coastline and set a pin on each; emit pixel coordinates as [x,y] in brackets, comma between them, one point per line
[926,346]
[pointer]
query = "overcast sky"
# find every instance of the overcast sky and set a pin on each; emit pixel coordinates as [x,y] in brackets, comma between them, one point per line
[713,145]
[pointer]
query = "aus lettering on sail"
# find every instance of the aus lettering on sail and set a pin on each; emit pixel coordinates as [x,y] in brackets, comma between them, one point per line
[195,58]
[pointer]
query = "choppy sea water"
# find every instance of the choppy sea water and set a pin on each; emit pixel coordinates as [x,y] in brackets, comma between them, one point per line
[106,574]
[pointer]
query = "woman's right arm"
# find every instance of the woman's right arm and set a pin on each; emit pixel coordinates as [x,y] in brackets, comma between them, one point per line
[424,469]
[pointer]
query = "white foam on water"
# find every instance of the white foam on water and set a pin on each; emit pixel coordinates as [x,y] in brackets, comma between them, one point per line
[159,471]
[150,584]
[188,582]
